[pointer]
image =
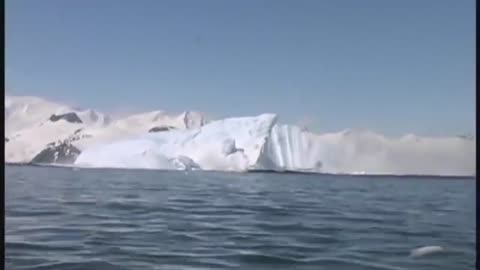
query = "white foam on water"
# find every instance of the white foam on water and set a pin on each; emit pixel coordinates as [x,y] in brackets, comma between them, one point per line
[426,250]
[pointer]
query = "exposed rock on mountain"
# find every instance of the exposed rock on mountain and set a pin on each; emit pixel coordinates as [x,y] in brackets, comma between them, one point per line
[160,129]
[58,153]
[70,117]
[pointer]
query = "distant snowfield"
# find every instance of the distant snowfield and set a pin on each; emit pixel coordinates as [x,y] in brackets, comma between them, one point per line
[159,140]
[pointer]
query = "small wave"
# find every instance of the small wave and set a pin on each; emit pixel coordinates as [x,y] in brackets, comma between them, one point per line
[22,245]
[93,264]
[183,236]
[257,258]
[34,212]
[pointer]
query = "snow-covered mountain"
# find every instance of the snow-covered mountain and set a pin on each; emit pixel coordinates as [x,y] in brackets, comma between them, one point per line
[46,132]
[33,124]
[23,112]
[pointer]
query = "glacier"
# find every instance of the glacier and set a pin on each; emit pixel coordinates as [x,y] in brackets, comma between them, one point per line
[37,130]
[260,143]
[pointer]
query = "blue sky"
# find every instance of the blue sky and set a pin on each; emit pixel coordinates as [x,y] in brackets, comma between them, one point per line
[392,66]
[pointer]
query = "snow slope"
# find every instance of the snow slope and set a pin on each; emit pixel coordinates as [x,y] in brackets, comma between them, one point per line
[139,124]
[188,141]
[29,130]
[25,112]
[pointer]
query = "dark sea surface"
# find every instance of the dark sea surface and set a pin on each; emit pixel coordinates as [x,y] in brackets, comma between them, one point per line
[59,218]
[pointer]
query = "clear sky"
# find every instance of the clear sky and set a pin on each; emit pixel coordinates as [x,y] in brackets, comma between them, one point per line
[392,66]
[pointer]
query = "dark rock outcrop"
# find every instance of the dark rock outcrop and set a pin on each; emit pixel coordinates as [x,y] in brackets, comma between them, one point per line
[70,117]
[77,135]
[57,153]
[62,151]
[160,129]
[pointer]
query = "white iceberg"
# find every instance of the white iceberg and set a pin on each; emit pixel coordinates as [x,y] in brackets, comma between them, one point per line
[233,144]
[259,143]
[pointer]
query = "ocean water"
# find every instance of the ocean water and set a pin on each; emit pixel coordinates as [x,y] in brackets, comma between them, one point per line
[59,218]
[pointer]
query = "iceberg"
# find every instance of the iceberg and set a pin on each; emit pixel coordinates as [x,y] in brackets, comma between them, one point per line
[260,143]
[233,144]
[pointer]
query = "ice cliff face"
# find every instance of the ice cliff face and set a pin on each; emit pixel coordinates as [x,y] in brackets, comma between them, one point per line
[355,152]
